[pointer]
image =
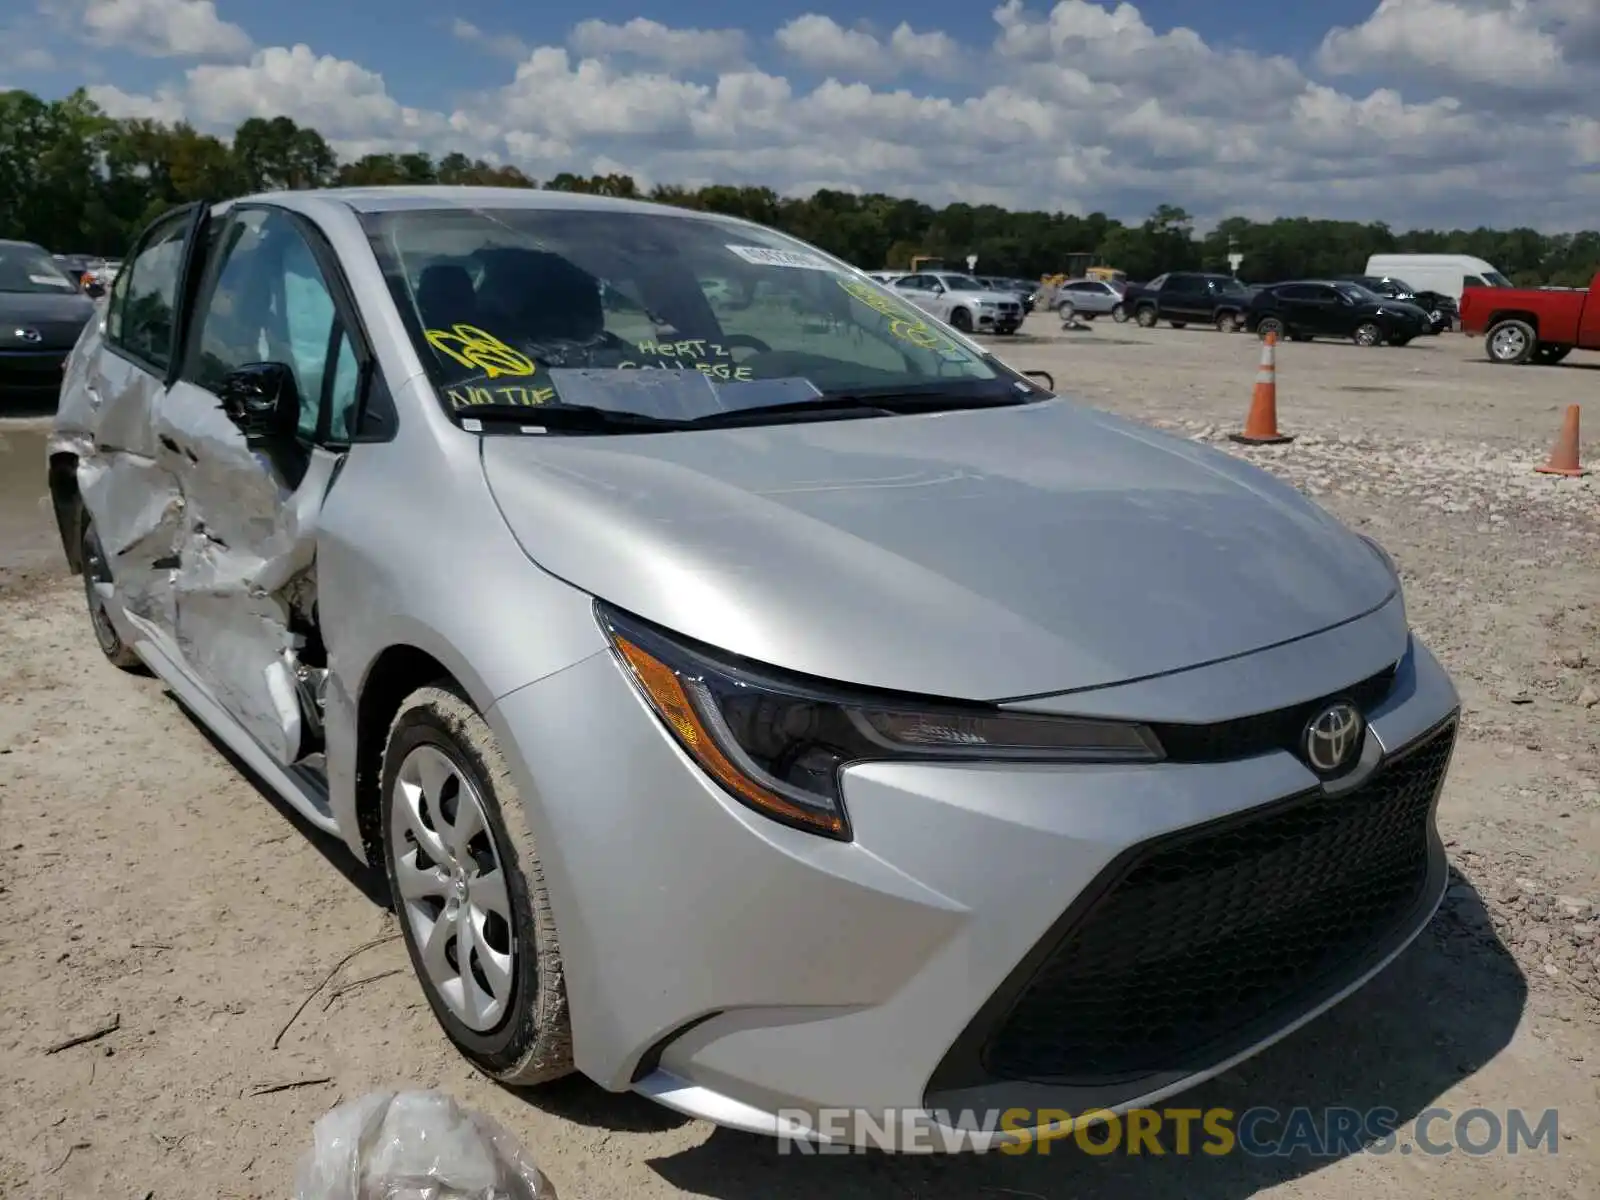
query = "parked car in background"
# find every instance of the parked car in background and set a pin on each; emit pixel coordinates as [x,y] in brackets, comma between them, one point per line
[1533,325]
[1446,274]
[962,301]
[42,312]
[1188,298]
[1020,288]
[1311,308]
[771,710]
[1090,298]
[1442,310]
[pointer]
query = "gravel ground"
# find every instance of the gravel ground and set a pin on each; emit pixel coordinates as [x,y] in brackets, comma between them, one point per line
[149,885]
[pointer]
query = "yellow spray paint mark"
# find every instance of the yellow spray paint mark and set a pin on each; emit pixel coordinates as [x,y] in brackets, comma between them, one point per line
[903,323]
[473,347]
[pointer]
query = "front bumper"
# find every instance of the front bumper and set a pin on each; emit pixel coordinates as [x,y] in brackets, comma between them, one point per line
[962,953]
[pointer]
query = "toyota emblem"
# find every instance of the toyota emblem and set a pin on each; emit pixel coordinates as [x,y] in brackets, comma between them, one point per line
[1333,737]
[30,335]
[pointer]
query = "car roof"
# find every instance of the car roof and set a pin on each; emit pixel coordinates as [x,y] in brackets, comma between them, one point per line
[14,244]
[434,196]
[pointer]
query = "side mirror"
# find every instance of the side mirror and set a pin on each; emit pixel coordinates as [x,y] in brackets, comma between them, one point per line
[1048,379]
[938,289]
[262,399]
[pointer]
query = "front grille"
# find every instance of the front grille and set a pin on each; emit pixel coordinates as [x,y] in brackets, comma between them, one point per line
[1204,938]
[1262,733]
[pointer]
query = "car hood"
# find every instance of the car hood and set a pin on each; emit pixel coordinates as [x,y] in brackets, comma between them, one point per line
[58,318]
[983,554]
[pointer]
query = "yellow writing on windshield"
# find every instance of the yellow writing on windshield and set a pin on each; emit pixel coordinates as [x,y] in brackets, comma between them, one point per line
[689,354]
[716,370]
[472,347]
[467,397]
[903,323]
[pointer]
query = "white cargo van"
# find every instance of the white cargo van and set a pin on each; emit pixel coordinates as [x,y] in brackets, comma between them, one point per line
[1446,274]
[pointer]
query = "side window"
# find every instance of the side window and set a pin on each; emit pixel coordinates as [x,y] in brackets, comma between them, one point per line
[1473,281]
[140,317]
[269,302]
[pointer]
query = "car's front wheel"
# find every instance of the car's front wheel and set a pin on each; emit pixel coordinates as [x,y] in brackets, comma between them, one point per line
[99,594]
[1227,322]
[1368,334]
[1270,325]
[470,897]
[1146,317]
[962,320]
[1119,313]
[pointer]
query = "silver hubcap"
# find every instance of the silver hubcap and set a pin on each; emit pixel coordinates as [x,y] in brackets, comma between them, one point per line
[1367,335]
[1508,343]
[452,888]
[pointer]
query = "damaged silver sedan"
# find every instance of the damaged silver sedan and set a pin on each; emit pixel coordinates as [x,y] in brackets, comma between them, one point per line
[758,695]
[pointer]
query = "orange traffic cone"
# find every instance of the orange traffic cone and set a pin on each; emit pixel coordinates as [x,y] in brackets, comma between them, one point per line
[1261,427]
[1564,457]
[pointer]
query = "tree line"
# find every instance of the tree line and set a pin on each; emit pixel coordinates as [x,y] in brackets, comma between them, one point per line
[75,180]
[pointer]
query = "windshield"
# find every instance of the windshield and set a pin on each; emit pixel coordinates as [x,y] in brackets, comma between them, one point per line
[1230,286]
[654,314]
[24,269]
[1357,293]
[962,283]
[1495,279]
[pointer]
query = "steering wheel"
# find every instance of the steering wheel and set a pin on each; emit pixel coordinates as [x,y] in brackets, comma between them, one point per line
[734,341]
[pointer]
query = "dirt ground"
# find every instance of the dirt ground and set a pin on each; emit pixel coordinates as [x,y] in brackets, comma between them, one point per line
[148,884]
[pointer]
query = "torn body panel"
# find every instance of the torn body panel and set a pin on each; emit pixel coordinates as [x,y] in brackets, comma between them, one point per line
[211,546]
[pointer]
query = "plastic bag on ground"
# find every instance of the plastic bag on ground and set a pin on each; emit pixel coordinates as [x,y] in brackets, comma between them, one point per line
[415,1146]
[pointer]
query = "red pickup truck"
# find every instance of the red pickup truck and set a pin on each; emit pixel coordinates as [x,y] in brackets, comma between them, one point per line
[1537,325]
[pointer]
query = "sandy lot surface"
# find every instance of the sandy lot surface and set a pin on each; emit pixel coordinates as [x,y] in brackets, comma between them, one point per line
[149,885]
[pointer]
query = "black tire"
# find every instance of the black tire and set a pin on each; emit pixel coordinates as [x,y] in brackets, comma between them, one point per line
[532,1043]
[1511,343]
[1067,312]
[1548,356]
[1270,325]
[962,320]
[1227,322]
[97,571]
[1145,315]
[1368,333]
[1119,314]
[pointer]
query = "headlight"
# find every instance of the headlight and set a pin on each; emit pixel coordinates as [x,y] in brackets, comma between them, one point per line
[779,745]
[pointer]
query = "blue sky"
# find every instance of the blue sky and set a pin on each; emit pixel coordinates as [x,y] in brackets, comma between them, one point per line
[1416,112]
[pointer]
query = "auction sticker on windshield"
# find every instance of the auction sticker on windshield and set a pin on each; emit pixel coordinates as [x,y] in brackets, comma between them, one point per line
[764,257]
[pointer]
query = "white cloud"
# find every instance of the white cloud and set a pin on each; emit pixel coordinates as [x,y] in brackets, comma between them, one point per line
[505,45]
[164,28]
[1086,106]
[822,44]
[1530,46]
[677,49]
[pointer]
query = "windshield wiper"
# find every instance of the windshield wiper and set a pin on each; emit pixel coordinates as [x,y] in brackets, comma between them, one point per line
[866,404]
[574,418]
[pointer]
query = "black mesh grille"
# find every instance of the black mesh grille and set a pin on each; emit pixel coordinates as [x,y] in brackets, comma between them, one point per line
[1209,933]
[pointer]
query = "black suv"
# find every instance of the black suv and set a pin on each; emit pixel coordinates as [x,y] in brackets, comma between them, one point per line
[1313,308]
[1189,298]
[1442,310]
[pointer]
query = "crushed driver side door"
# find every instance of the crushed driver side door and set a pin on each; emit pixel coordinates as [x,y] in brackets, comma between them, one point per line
[271,307]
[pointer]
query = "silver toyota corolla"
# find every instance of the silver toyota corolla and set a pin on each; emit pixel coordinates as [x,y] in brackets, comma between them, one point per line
[760,696]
